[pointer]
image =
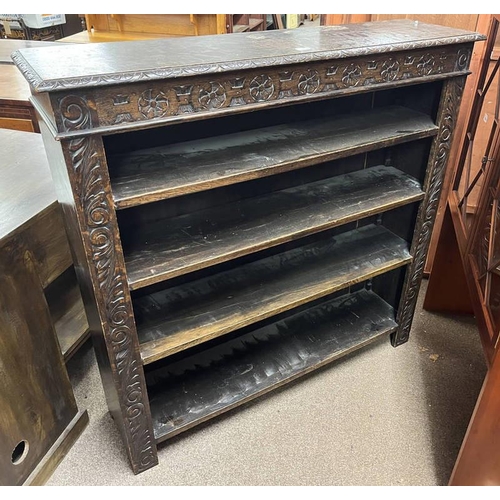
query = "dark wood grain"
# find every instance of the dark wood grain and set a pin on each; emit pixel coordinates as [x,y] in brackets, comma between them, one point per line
[178,318]
[105,64]
[164,172]
[199,240]
[36,398]
[68,314]
[42,472]
[205,385]
[24,165]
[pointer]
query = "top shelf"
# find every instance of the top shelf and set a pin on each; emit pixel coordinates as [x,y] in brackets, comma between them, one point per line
[168,171]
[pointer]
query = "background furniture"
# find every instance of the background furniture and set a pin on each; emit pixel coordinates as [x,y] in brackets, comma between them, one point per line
[240,23]
[16,29]
[217,269]
[465,275]
[31,217]
[126,27]
[39,420]
[469,230]
[16,112]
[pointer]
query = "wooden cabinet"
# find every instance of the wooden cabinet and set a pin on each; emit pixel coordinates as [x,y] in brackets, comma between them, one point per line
[31,221]
[251,209]
[42,320]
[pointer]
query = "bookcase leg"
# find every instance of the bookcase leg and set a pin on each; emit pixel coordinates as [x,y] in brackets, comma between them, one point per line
[446,121]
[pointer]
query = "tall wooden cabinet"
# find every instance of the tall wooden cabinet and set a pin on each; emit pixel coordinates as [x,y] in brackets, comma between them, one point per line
[245,209]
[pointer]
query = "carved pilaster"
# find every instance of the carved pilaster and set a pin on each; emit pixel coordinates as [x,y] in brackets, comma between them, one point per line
[97,220]
[447,117]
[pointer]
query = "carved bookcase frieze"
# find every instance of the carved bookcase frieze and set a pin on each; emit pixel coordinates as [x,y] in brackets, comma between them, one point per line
[174,98]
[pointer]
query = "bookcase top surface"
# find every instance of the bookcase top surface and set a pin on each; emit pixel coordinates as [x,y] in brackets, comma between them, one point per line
[92,65]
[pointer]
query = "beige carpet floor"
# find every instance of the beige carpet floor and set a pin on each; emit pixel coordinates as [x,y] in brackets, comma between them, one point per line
[381,416]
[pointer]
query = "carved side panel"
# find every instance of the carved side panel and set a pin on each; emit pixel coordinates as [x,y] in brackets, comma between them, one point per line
[98,227]
[173,99]
[447,116]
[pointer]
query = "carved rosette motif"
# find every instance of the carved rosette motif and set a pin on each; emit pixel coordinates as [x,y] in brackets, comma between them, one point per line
[427,213]
[352,75]
[153,104]
[116,311]
[390,70]
[425,65]
[212,96]
[261,88]
[309,82]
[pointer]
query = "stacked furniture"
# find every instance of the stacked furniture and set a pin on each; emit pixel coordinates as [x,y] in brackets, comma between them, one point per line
[245,209]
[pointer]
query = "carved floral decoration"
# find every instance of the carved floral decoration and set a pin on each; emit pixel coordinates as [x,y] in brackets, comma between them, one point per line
[308,82]
[390,70]
[426,64]
[261,88]
[153,104]
[352,75]
[212,96]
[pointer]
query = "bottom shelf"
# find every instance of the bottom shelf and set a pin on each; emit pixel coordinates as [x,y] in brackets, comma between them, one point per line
[208,383]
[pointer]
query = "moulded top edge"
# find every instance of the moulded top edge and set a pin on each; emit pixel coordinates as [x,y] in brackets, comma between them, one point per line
[98,64]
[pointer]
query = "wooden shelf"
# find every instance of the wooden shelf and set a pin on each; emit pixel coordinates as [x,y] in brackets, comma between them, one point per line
[164,172]
[202,239]
[68,314]
[183,316]
[204,385]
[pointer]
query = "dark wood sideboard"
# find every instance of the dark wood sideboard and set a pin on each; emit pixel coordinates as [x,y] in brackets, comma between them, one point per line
[245,209]
[42,319]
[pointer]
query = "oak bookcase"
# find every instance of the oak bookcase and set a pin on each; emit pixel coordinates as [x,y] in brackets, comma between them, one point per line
[245,208]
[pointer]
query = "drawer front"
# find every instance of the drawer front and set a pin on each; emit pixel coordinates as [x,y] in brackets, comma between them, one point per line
[17,124]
